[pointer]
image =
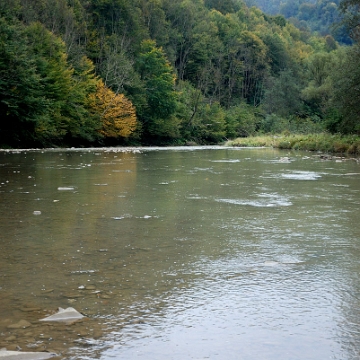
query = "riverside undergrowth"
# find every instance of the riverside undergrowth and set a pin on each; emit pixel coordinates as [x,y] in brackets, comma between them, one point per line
[324,142]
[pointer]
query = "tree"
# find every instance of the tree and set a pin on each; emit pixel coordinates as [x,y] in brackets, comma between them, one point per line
[205,58]
[116,113]
[10,8]
[346,76]
[115,67]
[212,128]
[319,90]
[351,12]
[121,17]
[240,121]
[231,64]
[154,18]
[57,85]
[43,99]
[346,100]
[224,6]
[189,106]
[82,126]
[64,18]
[158,78]
[201,121]
[255,67]
[276,51]
[282,95]
[21,100]
[184,15]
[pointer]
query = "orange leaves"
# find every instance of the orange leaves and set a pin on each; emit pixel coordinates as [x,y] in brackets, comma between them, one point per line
[117,113]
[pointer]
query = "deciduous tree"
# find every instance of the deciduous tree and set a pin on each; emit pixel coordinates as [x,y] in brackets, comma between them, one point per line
[158,78]
[116,113]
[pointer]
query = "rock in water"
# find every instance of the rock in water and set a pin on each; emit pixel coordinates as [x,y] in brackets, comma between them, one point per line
[68,315]
[22,324]
[20,355]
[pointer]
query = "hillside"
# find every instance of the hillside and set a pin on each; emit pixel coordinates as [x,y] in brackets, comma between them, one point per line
[320,16]
[100,72]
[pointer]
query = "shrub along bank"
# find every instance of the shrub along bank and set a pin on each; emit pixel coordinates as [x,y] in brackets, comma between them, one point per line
[324,142]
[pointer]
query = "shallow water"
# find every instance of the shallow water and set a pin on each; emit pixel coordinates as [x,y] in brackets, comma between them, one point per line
[187,253]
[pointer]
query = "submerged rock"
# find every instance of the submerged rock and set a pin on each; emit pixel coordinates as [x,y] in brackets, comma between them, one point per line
[90,287]
[29,309]
[22,324]
[105,296]
[21,355]
[68,315]
[73,295]
[11,338]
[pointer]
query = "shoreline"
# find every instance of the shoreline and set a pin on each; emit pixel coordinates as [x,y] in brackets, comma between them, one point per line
[348,145]
[323,143]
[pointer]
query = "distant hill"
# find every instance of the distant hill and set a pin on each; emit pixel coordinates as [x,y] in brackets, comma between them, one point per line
[320,16]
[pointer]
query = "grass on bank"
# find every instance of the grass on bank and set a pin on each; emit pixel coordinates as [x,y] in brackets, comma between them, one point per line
[328,143]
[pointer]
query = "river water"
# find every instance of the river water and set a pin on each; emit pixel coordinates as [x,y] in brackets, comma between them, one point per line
[183,253]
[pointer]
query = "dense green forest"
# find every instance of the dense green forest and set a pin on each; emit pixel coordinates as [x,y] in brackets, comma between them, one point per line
[317,16]
[114,72]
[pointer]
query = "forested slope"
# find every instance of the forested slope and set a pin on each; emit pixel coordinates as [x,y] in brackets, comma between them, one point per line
[321,16]
[81,72]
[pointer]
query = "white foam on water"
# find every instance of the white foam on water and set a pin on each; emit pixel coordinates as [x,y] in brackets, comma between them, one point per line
[301,175]
[226,161]
[264,200]
[257,203]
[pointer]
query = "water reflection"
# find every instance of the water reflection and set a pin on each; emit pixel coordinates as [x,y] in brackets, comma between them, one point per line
[179,254]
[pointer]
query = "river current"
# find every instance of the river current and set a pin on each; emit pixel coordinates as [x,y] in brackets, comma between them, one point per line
[180,253]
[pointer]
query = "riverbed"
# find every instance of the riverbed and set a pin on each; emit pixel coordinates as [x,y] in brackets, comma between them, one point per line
[180,253]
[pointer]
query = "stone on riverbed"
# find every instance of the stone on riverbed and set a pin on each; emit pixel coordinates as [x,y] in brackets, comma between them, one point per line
[22,324]
[68,315]
[20,355]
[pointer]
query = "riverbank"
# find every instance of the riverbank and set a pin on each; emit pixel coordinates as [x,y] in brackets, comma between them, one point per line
[327,143]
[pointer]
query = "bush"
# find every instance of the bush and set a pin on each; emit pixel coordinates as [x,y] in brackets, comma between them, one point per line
[273,124]
[241,121]
[310,142]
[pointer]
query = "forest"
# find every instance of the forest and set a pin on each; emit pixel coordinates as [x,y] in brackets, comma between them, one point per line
[317,16]
[158,72]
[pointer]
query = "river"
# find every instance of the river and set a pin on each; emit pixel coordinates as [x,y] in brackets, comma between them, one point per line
[180,253]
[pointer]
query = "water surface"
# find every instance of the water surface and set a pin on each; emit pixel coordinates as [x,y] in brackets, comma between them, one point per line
[188,253]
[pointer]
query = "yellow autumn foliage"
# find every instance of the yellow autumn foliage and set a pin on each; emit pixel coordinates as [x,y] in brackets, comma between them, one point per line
[117,113]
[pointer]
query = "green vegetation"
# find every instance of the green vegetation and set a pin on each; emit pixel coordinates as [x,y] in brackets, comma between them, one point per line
[343,144]
[115,72]
[317,16]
